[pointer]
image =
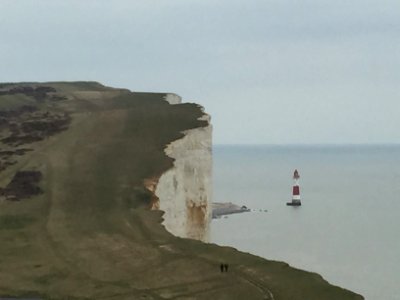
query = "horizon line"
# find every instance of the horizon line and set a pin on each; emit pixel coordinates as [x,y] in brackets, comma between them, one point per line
[307,144]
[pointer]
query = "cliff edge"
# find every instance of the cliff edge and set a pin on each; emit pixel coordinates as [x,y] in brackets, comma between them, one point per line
[184,191]
[82,169]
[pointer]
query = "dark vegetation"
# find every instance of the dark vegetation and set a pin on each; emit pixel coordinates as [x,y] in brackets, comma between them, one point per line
[6,157]
[35,128]
[5,114]
[6,163]
[39,93]
[27,126]
[23,185]
[19,151]
[28,123]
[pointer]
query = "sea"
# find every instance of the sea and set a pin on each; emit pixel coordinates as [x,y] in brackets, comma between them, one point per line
[348,227]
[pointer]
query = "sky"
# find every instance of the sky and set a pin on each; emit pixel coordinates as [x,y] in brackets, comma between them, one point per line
[267,71]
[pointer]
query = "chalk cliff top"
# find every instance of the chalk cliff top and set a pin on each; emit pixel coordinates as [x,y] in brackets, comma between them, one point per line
[74,212]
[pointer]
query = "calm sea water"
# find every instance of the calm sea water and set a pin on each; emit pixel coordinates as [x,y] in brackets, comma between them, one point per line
[348,228]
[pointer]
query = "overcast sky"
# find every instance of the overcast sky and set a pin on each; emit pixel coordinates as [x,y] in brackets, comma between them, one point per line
[268,71]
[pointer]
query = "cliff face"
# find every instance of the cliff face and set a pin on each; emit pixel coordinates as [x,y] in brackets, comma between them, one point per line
[184,191]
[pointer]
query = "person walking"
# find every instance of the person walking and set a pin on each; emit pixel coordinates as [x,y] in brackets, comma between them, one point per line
[226,267]
[221,267]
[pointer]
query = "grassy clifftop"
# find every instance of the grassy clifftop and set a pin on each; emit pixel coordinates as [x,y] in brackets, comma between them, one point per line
[74,217]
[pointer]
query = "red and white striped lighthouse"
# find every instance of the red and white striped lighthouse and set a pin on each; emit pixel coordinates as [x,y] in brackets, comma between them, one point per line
[296,190]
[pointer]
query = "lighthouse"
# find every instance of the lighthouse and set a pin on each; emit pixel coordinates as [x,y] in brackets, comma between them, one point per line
[296,190]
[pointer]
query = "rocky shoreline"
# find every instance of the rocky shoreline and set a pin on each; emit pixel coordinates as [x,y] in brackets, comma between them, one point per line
[227,208]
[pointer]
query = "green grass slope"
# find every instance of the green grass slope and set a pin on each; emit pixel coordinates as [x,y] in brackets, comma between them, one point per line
[75,221]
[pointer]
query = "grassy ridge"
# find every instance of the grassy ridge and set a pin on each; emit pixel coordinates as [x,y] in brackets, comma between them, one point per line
[90,235]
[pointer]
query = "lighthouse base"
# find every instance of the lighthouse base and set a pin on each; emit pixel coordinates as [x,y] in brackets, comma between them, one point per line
[294,203]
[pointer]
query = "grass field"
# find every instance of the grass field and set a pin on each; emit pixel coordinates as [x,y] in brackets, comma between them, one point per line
[90,234]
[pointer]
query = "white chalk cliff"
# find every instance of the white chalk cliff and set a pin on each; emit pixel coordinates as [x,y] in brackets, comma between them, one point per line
[184,191]
[172,98]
